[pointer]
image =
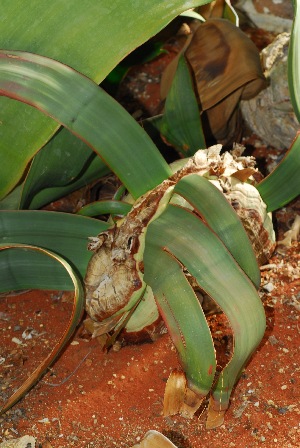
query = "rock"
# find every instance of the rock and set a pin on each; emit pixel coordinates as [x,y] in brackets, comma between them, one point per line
[270,114]
[270,15]
[22,442]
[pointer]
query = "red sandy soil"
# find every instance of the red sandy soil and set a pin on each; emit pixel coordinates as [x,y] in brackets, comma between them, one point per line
[107,400]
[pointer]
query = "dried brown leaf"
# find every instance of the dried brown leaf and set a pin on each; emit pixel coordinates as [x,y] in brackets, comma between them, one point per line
[243,175]
[174,393]
[179,398]
[215,417]
[226,67]
[212,9]
[192,402]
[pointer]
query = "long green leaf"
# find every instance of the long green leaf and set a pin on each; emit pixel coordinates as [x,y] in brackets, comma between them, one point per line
[62,233]
[222,219]
[77,311]
[12,200]
[181,123]
[95,170]
[294,61]
[283,184]
[63,165]
[105,207]
[90,35]
[87,111]
[181,312]
[182,234]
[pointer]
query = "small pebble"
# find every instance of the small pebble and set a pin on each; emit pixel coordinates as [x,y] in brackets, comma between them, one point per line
[268,287]
[283,410]
[273,340]
[17,341]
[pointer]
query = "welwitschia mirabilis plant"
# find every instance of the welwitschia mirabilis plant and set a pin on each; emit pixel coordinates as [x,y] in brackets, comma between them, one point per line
[136,185]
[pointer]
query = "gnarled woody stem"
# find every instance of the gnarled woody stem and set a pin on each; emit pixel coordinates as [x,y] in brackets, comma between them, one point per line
[114,279]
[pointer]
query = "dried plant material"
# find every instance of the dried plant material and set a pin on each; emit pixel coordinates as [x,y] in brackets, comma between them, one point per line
[154,439]
[215,417]
[97,329]
[179,398]
[114,273]
[22,442]
[170,70]
[292,234]
[243,175]
[238,412]
[212,9]
[191,404]
[226,68]
[174,393]
[223,60]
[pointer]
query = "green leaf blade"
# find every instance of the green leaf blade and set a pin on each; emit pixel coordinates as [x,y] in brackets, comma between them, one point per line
[88,40]
[283,184]
[62,233]
[186,237]
[87,111]
[75,317]
[182,314]
[105,207]
[181,122]
[222,219]
[62,166]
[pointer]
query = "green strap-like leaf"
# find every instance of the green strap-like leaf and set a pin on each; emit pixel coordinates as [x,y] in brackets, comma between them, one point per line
[180,310]
[212,205]
[105,207]
[283,184]
[62,233]
[181,123]
[87,111]
[182,234]
[73,322]
[12,200]
[62,166]
[90,35]
[95,170]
